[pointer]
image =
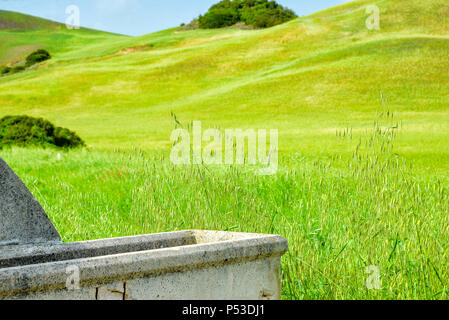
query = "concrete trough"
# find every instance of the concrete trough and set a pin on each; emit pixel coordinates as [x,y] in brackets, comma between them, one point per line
[194,265]
[181,265]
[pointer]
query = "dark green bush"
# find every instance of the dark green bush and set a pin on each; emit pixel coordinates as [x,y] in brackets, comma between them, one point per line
[219,18]
[37,56]
[17,69]
[265,15]
[25,131]
[5,70]
[67,139]
[254,13]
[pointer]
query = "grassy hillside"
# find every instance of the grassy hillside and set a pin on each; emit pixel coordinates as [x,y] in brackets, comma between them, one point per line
[20,34]
[375,195]
[10,20]
[308,78]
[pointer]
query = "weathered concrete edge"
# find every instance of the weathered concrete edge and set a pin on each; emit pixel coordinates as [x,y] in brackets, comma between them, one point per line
[12,256]
[51,276]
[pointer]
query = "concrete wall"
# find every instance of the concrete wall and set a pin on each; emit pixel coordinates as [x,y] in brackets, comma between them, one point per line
[256,280]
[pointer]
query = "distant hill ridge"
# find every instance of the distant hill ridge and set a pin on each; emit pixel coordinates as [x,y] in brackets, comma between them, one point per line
[21,34]
[10,20]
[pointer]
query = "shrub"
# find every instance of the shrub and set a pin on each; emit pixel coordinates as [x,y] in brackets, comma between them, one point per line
[5,70]
[264,15]
[219,18]
[25,131]
[255,13]
[17,69]
[67,139]
[37,56]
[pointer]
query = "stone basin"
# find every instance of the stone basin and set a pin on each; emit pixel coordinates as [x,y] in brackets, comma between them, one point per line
[193,265]
[184,265]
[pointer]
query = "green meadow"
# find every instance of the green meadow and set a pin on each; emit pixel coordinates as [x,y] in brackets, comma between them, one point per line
[363,124]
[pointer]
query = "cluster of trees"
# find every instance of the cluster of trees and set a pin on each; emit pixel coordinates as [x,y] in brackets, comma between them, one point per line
[29,131]
[35,57]
[254,13]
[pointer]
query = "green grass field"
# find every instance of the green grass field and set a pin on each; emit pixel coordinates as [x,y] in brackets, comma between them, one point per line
[374,196]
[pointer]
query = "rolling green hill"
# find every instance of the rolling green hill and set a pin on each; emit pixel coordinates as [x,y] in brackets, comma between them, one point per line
[20,34]
[309,78]
[10,20]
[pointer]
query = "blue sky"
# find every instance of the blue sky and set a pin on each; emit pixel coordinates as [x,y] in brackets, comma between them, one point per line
[138,17]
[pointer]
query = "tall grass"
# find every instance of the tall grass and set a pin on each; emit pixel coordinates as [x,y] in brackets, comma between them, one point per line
[340,216]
